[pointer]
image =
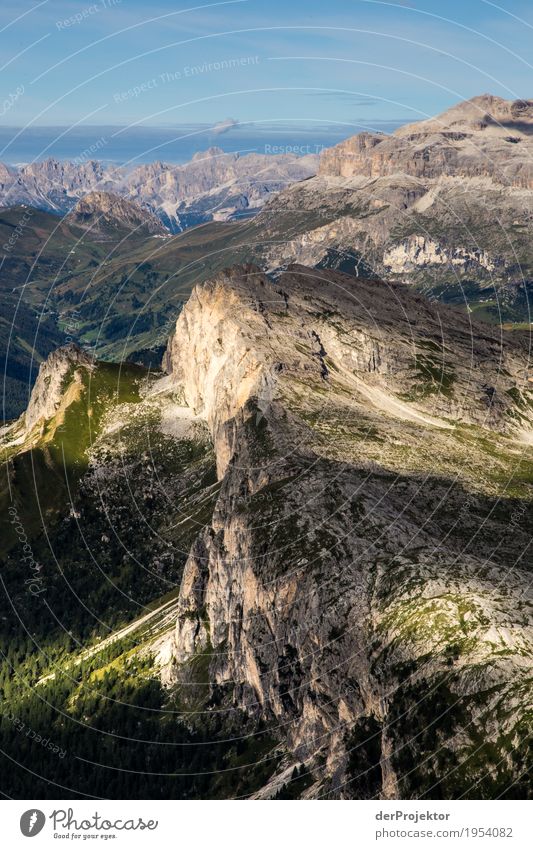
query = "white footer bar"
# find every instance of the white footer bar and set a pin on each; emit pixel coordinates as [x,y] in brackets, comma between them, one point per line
[265,825]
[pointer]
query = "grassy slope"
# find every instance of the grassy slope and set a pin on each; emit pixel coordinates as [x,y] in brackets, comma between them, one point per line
[40,480]
[152,493]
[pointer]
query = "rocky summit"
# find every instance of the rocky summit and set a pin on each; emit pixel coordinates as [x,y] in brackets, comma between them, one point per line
[444,204]
[340,591]
[325,507]
[100,211]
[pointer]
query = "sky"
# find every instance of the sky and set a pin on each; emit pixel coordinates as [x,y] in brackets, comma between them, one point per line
[334,62]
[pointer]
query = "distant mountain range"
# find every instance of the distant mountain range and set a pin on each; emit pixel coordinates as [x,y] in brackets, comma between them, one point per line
[213,186]
[444,205]
[291,558]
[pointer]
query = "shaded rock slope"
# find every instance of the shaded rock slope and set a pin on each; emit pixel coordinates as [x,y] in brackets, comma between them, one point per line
[299,560]
[364,583]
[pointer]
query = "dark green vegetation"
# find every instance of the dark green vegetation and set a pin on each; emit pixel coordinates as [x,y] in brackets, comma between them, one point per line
[349,262]
[106,728]
[25,340]
[106,543]
[364,767]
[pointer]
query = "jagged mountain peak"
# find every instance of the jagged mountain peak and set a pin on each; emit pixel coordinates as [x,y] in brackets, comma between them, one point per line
[209,153]
[51,383]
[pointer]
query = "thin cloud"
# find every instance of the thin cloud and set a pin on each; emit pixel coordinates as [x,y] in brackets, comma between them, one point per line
[225,126]
[354,99]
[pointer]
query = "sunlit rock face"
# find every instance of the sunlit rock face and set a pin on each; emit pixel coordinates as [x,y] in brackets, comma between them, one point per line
[342,590]
[440,203]
[486,136]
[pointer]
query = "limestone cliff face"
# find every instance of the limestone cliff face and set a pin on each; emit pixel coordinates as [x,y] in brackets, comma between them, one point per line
[483,137]
[460,183]
[47,394]
[328,595]
[213,186]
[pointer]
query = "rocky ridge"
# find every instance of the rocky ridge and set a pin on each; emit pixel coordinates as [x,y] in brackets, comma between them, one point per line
[98,211]
[341,592]
[450,196]
[354,579]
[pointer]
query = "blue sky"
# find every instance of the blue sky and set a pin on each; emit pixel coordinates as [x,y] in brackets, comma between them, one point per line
[165,63]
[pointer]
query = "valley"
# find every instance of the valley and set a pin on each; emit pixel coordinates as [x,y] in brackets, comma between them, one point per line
[266,493]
